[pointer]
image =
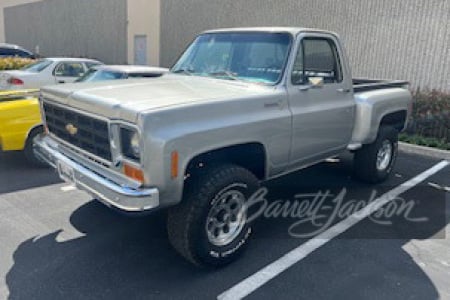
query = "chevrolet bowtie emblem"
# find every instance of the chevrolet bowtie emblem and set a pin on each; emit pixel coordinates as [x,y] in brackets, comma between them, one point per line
[71,129]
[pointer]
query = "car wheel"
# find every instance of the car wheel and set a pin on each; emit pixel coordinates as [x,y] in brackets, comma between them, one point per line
[373,163]
[209,227]
[28,150]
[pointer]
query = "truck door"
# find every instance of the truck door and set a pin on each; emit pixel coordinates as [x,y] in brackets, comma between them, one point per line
[321,99]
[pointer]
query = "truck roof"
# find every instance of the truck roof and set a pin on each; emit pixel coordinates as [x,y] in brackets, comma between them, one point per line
[291,30]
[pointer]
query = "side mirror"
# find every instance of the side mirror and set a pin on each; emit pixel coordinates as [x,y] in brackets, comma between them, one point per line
[315,82]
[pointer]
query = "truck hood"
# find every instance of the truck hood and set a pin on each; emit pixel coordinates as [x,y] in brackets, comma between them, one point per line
[126,99]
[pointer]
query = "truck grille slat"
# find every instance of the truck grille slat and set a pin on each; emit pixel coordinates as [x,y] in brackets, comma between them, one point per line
[92,134]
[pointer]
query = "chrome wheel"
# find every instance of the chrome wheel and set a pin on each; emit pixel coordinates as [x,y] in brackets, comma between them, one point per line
[226,218]
[384,155]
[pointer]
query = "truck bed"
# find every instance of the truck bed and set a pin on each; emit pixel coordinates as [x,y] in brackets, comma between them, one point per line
[364,85]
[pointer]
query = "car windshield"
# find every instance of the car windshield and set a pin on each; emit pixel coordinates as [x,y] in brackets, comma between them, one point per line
[38,66]
[256,57]
[100,75]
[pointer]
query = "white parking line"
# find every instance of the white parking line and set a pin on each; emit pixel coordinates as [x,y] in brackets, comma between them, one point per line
[68,188]
[255,281]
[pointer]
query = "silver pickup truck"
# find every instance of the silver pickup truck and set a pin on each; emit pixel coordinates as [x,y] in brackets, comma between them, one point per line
[241,106]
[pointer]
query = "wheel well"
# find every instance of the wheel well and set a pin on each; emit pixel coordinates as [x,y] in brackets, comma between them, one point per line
[396,119]
[251,156]
[38,129]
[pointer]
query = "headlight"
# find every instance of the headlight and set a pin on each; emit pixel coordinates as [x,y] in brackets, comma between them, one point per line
[131,143]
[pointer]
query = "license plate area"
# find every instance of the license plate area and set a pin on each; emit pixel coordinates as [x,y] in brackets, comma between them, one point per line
[66,172]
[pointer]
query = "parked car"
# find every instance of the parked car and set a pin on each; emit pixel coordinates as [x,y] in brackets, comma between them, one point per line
[46,71]
[240,106]
[20,119]
[112,72]
[10,50]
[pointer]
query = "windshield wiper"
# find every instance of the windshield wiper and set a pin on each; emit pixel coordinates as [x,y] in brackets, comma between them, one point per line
[228,74]
[184,71]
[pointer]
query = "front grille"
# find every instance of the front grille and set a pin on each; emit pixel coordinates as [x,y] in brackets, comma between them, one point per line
[92,135]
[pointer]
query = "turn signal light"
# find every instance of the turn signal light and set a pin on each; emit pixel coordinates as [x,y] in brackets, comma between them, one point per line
[174,164]
[133,173]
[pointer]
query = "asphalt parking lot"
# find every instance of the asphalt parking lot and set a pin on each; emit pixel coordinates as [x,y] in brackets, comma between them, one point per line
[56,243]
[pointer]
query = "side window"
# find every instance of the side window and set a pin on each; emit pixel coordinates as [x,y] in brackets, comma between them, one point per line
[69,69]
[21,53]
[317,57]
[91,64]
[6,52]
[13,52]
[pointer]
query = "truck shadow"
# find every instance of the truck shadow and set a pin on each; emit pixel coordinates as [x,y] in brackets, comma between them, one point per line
[120,257]
[17,174]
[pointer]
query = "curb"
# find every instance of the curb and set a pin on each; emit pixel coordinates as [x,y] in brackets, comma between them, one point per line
[426,151]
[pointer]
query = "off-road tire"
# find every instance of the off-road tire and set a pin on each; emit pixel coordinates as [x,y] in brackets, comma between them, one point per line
[365,159]
[187,221]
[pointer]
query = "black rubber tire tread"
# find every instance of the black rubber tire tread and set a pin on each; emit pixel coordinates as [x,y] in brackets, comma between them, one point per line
[28,149]
[185,219]
[365,158]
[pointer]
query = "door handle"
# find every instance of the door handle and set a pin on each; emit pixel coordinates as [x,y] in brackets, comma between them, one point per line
[344,90]
[278,103]
[304,88]
[61,81]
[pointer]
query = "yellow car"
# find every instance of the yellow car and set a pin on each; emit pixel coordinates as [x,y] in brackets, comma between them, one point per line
[20,122]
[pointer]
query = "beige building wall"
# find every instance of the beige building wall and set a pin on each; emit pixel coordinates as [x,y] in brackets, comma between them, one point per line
[8,3]
[80,28]
[396,39]
[144,20]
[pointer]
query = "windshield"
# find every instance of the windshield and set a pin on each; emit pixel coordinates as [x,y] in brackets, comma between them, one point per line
[100,75]
[256,57]
[38,66]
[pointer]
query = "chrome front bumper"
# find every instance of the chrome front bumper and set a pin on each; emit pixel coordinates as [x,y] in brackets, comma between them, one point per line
[108,192]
